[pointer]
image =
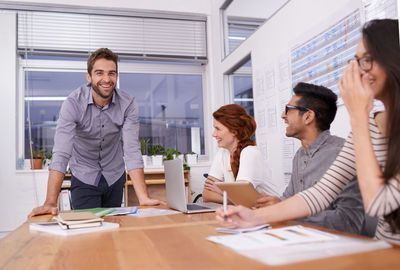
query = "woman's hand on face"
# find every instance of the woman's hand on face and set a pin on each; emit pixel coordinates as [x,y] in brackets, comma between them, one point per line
[210,184]
[236,217]
[355,90]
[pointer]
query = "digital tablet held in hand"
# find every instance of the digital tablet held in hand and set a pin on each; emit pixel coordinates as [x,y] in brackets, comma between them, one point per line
[240,193]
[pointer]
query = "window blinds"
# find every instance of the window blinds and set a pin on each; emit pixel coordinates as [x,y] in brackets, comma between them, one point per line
[41,32]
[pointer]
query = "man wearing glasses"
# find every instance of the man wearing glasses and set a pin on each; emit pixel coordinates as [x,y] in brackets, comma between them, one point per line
[308,116]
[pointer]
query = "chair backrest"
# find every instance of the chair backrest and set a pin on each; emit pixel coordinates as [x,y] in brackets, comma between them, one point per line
[199,197]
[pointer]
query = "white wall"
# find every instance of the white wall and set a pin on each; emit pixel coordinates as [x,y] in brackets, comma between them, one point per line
[254,8]
[16,189]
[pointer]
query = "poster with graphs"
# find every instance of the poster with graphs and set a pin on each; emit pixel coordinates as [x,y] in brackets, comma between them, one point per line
[321,60]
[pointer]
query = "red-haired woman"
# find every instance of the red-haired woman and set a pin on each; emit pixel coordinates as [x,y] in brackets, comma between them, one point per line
[238,158]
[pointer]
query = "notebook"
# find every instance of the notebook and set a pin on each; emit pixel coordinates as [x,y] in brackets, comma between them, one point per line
[175,187]
[74,220]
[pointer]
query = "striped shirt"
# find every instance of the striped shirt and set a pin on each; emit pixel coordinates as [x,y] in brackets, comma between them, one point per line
[342,171]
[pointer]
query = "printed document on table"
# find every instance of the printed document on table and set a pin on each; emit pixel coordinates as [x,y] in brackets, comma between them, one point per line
[272,238]
[296,243]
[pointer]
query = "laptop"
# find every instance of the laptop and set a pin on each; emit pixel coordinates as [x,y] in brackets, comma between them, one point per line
[175,187]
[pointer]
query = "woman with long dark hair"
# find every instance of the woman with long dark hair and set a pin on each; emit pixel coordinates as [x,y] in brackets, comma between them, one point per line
[238,158]
[372,149]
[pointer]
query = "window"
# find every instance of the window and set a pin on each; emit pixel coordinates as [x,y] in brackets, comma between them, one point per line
[45,91]
[239,30]
[241,18]
[170,108]
[242,87]
[169,96]
[161,63]
[243,92]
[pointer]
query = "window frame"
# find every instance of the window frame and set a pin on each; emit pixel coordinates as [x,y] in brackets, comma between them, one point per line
[25,65]
[238,71]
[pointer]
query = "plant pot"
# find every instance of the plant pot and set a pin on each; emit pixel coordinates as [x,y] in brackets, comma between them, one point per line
[191,159]
[36,164]
[146,162]
[157,160]
[46,163]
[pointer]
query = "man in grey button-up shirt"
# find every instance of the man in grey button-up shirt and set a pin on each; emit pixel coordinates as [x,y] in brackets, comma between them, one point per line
[97,133]
[308,116]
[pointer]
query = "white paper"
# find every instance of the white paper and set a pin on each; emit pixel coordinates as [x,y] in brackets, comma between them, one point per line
[313,251]
[56,229]
[243,230]
[294,244]
[151,212]
[272,238]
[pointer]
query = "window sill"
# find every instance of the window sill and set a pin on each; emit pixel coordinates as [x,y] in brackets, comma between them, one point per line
[157,168]
[26,171]
[147,169]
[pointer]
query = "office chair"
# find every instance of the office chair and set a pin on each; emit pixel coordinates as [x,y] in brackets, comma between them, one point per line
[199,196]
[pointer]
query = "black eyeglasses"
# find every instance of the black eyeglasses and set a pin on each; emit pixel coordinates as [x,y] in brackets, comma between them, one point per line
[303,109]
[365,63]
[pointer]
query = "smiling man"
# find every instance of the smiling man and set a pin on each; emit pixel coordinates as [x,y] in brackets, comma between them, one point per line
[97,134]
[308,117]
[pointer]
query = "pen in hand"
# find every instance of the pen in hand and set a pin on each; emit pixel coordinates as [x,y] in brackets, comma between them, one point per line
[225,202]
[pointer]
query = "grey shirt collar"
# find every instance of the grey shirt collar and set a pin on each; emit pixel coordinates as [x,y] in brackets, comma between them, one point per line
[316,144]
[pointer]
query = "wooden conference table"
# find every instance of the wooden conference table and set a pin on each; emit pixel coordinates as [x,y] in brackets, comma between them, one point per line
[163,242]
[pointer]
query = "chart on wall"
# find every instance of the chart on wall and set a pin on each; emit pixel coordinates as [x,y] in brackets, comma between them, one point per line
[321,60]
[380,9]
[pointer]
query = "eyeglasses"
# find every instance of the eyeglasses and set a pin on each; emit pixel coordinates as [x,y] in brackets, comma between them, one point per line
[365,63]
[303,109]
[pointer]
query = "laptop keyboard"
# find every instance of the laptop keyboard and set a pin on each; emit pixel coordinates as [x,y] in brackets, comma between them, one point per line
[196,207]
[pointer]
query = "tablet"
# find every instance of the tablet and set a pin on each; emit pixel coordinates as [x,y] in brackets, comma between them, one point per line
[240,193]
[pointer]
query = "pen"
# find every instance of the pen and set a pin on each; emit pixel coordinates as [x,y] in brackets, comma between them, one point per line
[225,202]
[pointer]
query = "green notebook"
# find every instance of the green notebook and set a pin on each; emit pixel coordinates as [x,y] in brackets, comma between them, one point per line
[100,212]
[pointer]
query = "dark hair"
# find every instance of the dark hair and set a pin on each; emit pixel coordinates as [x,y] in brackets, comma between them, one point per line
[319,99]
[236,119]
[102,53]
[381,39]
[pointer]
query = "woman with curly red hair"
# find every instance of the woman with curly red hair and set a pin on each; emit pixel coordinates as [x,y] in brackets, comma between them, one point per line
[238,158]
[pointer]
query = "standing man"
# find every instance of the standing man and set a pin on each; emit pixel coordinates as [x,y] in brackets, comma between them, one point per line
[97,133]
[308,116]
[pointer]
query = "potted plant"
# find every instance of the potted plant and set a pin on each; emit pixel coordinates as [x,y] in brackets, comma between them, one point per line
[47,159]
[171,153]
[143,146]
[156,152]
[37,157]
[191,158]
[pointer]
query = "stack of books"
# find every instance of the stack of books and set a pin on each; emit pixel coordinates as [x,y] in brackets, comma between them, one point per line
[74,220]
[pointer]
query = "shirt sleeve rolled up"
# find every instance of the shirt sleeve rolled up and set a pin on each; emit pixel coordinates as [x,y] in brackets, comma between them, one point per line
[130,135]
